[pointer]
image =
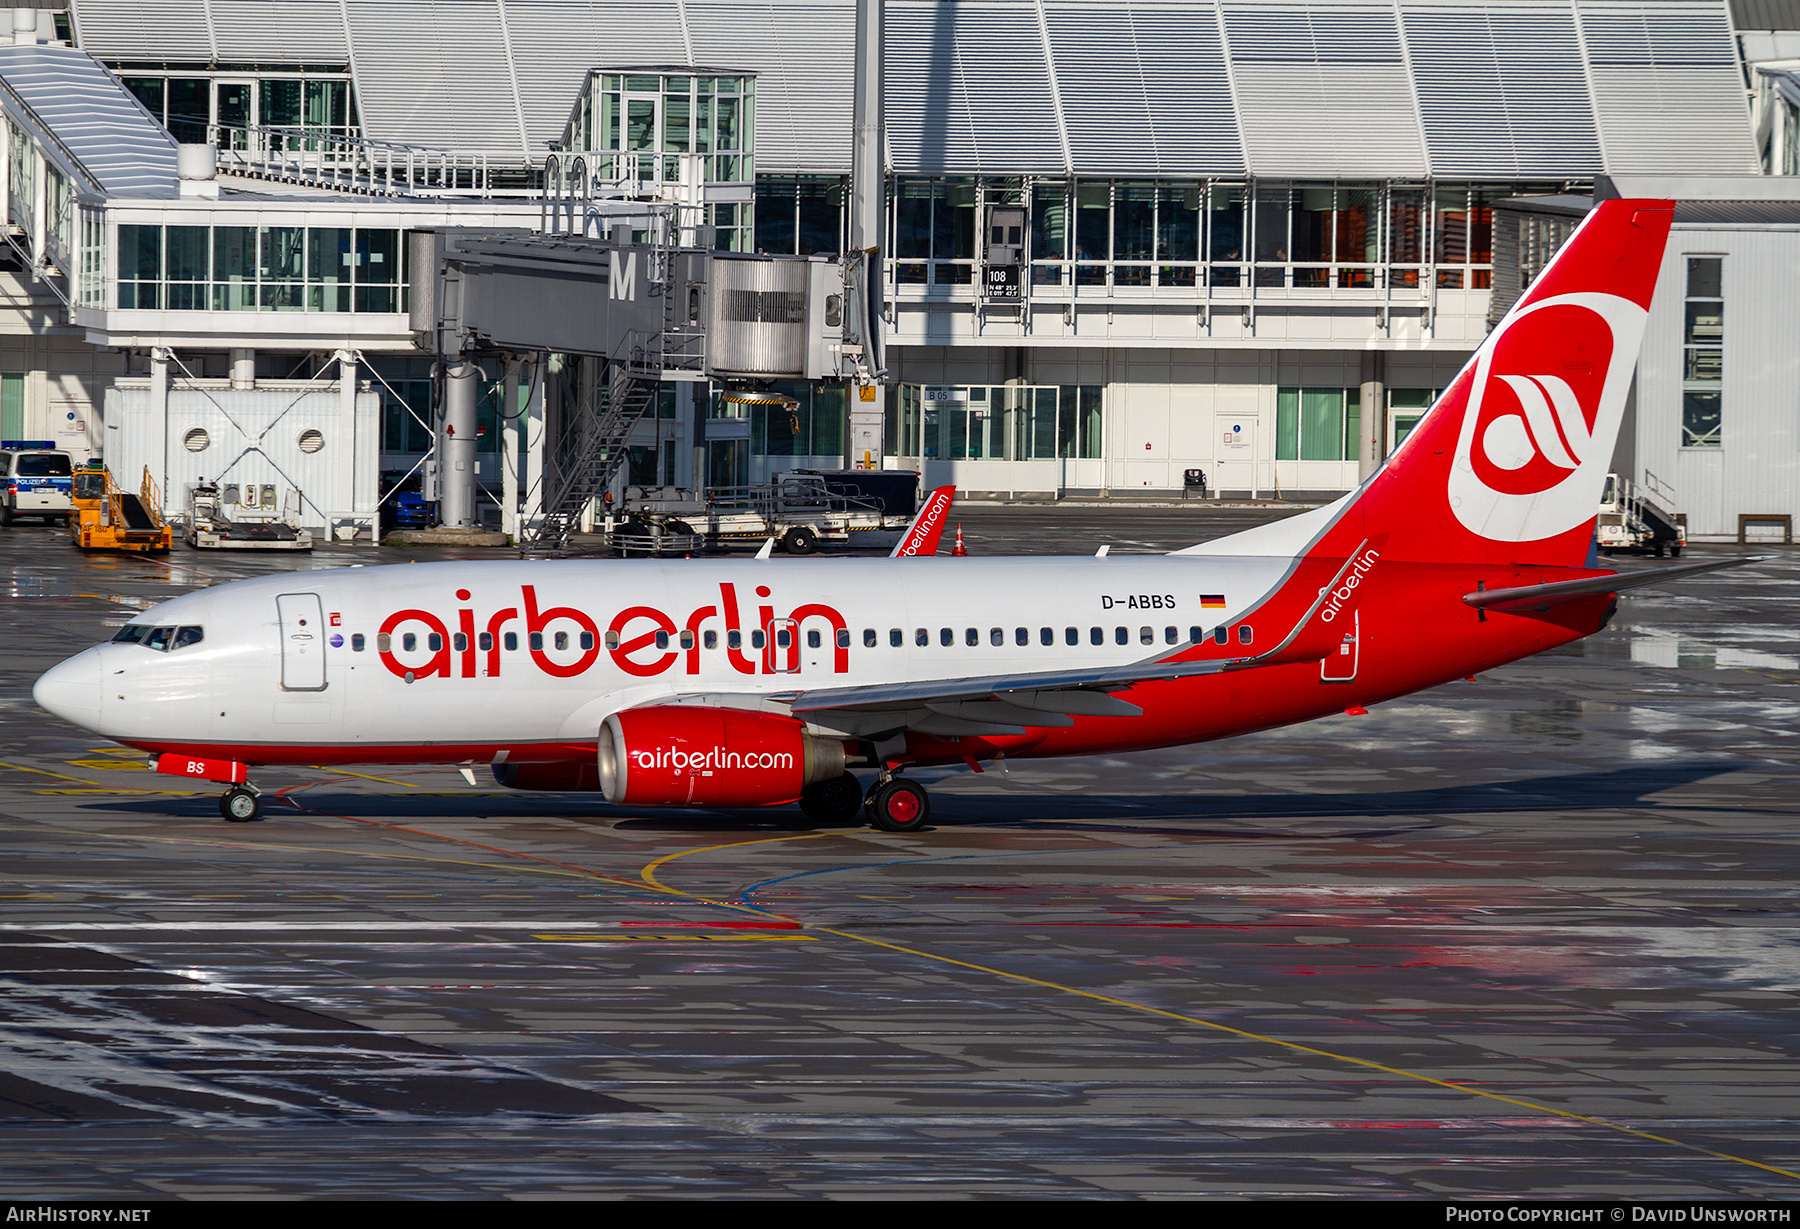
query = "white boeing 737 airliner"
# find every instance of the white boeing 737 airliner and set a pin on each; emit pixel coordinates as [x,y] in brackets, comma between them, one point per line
[751,682]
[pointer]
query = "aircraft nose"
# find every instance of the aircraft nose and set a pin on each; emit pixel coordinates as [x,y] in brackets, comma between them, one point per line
[72,690]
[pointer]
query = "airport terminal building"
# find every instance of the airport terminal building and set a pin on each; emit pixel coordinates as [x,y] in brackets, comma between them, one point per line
[1242,234]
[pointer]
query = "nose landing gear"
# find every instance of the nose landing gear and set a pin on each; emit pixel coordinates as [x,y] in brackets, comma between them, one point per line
[241,804]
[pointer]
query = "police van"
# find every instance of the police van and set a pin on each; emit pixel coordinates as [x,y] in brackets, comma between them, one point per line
[35,480]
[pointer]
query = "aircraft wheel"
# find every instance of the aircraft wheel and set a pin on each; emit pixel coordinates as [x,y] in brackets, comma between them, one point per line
[240,805]
[799,541]
[899,806]
[835,801]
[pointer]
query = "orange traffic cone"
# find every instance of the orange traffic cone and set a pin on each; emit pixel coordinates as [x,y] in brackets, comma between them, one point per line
[959,549]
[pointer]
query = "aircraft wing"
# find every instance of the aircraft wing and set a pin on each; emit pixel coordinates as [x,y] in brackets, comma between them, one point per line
[1523,599]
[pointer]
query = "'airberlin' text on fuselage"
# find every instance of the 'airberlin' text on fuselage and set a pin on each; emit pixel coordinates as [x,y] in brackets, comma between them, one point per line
[564,641]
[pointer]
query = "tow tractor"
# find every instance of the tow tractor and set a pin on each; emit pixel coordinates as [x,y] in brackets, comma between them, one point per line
[108,518]
[1634,521]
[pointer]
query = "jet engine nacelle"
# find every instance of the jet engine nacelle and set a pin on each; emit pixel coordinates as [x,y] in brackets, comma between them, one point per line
[676,755]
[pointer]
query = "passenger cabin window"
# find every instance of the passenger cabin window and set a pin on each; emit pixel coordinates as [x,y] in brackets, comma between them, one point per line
[1147,635]
[710,640]
[843,638]
[1221,636]
[1021,635]
[756,639]
[562,640]
[946,637]
[409,642]
[869,637]
[511,641]
[485,641]
[1097,635]
[1071,635]
[662,639]
[434,642]
[1244,633]
[384,643]
[972,636]
[537,642]
[1196,634]
[1169,635]
[1046,635]
[734,639]
[357,642]
[896,637]
[459,642]
[686,640]
[921,637]
[1121,635]
[587,641]
[813,639]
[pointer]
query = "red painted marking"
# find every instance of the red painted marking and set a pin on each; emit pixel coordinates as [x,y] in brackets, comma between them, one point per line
[202,768]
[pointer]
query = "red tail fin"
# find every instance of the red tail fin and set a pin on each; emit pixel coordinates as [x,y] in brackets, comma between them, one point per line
[1508,465]
[927,527]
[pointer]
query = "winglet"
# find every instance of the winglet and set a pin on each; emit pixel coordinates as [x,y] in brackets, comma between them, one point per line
[927,527]
[768,548]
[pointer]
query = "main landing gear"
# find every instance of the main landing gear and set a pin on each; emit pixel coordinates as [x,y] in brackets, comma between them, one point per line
[833,801]
[240,804]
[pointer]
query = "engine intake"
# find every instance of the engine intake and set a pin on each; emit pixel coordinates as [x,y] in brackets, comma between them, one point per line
[675,755]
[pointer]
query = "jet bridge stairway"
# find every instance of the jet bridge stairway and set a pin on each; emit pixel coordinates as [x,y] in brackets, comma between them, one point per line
[595,445]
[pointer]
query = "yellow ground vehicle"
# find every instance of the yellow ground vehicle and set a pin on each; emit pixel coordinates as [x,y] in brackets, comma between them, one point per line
[107,518]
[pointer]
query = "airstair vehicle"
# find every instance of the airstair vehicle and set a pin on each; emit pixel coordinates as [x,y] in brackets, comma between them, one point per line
[107,517]
[1636,519]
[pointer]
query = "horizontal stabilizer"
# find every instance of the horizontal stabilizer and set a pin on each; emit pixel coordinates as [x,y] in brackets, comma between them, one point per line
[1542,597]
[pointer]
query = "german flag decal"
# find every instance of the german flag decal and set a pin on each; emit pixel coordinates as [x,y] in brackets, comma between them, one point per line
[1212,601]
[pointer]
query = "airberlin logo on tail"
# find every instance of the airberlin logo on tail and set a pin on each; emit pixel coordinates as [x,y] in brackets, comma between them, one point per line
[1543,411]
[1348,585]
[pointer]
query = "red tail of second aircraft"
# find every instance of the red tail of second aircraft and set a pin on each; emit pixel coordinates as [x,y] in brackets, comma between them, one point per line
[1507,467]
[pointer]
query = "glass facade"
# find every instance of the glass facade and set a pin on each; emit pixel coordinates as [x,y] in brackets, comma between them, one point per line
[262,268]
[1703,354]
[798,215]
[1317,424]
[1195,233]
[189,105]
[1005,422]
[653,120]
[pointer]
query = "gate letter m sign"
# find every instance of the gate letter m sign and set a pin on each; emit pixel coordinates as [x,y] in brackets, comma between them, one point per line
[623,274]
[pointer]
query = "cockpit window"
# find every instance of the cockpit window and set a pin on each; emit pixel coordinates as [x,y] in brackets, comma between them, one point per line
[185,636]
[131,633]
[158,639]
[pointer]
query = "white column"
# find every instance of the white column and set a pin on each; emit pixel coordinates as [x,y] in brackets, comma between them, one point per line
[509,448]
[157,450]
[243,368]
[534,441]
[39,222]
[343,470]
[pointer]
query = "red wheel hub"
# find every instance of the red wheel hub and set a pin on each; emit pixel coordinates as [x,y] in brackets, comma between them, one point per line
[903,805]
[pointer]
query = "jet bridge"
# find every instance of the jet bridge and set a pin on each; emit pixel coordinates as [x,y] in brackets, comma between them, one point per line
[626,312]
